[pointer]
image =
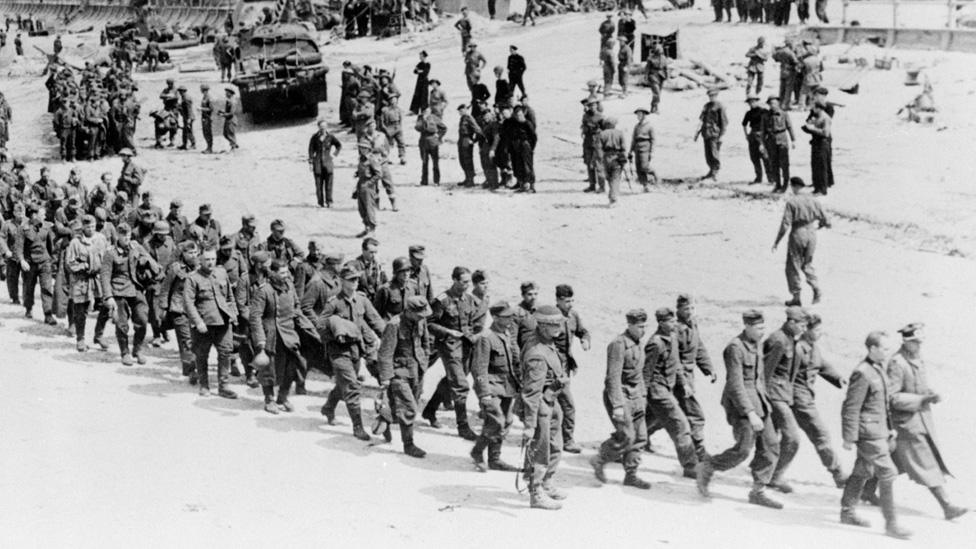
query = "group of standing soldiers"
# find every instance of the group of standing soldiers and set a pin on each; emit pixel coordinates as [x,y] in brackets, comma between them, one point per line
[94,114]
[776,12]
[179,114]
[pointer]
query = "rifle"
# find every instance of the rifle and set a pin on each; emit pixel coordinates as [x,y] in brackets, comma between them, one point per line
[626,170]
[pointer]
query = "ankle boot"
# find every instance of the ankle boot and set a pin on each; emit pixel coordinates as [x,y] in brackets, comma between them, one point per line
[409,448]
[869,494]
[464,430]
[478,453]
[951,511]
[886,494]
[538,499]
[356,416]
[631,479]
[495,462]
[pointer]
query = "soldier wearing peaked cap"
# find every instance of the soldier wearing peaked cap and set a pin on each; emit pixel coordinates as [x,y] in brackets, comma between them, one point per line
[542,379]
[752,126]
[625,398]
[494,360]
[590,131]
[662,371]
[917,452]
[747,410]
[403,354]
[712,125]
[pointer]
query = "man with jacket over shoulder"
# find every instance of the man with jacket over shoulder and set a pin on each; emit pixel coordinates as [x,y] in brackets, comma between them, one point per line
[125,265]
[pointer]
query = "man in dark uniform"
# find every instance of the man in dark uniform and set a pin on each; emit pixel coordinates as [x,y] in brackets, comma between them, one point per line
[468,133]
[590,130]
[802,216]
[662,369]
[230,122]
[403,353]
[457,320]
[391,297]
[747,410]
[368,177]
[818,125]
[711,128]
[419,272]
[625,398]
[752,126]
[778,133]
[494,362]
[781,368]
[211,308]
[170,302]
[463,25]
[187,116]
[542,379]
[373,274]
[610,151]
[516,70]
[565,297]
[206,117]
[35,251]
[131,177]
[867,423]
[320,154]
[487,145]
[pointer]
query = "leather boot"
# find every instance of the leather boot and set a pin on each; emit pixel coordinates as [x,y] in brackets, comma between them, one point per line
[758,497]
[539,500]
[495,462]
[951,511]
[869,494]
[409,448]
[886,494]
[840,478]
[705,472]
[631,479]
[795,302]
[356,416]
[550,489]
[597,463]
[478,454]
[464,430]
[848,502]
[430,410]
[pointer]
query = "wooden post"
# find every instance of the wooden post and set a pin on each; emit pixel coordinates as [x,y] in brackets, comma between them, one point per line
[894,14]
[843,17]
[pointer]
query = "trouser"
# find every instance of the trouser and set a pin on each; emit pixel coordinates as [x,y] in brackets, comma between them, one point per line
[685,393]
[822,173]
[457,364]
[874,465]
[808,419]
[39,273]
[789,436]
[758,156]
[189,141]
[497,414]
[629,434]
[226,70]
[786,84]
[130,308]
[80,313]
[429,155]
[68,144]
[284,369]
[529,12]
[591,166]
[766,449]
[608,71]
[783,8]
[666,411]
[465,40]
[155,318]
[655,84]
[742,9]
[184,341]
[345,372]
[491,9]
[642,164]
[220,337]
[821,10]
[803,10]
[386,179]
[779,164]
[545,448]
[403,403]
[613,169]
[488,166]
[756,77]
[206,127]
[568,406]
[367,196]
[323,186]
[13,280]
[515,80]
[466,158]
[799,259]
[396,137]
[230,133]
[622,77]
[713,147]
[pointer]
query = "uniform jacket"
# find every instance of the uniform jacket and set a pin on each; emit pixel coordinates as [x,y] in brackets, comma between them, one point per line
[240,280]
[542,379]
[625,372]
[390,297]
[431,128]
[691,350]
[780,365]
[456,312]
[662,367]
[83,259]
[908,386]
[121,270]
[493,365]
[809,364]
[169,298]
[209,298]
[713,120]
[372,278]
[320,151]
[572,327]
[745,386]
[358,310]
[642,139]
[36,244]
[275,317]
[865,414]
[404,349]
